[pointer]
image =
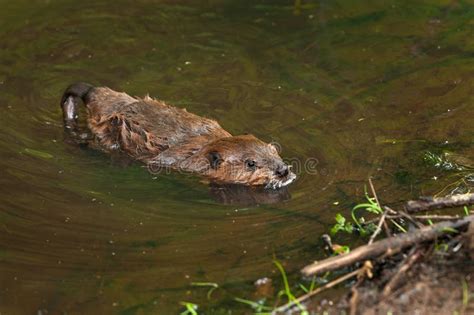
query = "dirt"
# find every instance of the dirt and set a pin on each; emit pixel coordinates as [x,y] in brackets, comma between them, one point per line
[439,281]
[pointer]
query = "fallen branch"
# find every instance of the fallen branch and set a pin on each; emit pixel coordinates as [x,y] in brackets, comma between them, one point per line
[387,247]
[438,203]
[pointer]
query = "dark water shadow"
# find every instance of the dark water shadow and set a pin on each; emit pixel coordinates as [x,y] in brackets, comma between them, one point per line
[232,194]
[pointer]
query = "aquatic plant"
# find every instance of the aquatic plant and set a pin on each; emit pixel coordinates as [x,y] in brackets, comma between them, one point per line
[258,306]
[212,285]
[191,308]
[262,309]
[372,206]
[286,291]
[341,225]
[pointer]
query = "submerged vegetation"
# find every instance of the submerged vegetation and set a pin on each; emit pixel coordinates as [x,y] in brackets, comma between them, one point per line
[261,306]
[360,225]
[191,308]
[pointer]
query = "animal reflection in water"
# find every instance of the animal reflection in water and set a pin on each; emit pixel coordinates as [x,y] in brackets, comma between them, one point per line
[233,194]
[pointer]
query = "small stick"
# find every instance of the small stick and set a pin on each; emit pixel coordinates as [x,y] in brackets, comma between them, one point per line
[389,246]
[354,299]
[373,192]
[421,217]
[390,210]
[366,271]
[430,217]
[409,218]
[407,264]
[382,219]
[387,229]
[379,227]
[328,285]
[438,203]
[404,215]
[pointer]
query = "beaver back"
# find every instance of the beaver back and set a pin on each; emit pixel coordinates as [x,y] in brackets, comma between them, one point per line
[144,127]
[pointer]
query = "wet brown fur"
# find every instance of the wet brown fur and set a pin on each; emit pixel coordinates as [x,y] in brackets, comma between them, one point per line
[165,136]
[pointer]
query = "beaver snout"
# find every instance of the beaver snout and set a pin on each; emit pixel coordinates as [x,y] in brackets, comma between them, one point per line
[282,176]
[282,170]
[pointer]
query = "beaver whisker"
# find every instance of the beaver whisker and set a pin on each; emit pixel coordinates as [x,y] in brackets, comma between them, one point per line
[279,183]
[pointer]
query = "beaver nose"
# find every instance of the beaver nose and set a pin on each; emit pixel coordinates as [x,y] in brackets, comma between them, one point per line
[282,170]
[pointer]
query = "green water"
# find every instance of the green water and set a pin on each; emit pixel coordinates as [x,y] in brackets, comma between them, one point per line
[334,81]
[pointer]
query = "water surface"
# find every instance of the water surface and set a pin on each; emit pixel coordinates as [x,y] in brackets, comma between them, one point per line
[365,88]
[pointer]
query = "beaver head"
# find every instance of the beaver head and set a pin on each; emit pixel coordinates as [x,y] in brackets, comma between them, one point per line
[241,160]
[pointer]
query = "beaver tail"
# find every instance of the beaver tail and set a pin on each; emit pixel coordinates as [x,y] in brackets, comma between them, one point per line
[70,101]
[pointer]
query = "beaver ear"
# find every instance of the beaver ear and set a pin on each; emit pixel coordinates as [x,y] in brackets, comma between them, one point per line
[275,146]
[215,159]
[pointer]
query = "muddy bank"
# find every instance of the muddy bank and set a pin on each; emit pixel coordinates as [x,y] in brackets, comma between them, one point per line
[440,282]
[431,275]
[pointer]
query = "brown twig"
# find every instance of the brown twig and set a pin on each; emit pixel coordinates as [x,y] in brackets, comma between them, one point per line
[354,298]
[374,193]
[387,229]
[365,271]
[438,203]
[387,247]
[382,219]
[410,218]
[431,217]
[379,227]
[420,217]
[385,224]
[405,266]
[390,210]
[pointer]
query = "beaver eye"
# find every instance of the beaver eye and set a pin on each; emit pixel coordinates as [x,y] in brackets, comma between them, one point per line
[250,164]
[215,159]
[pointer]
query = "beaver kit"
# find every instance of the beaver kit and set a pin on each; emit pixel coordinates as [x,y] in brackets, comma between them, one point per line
[163,136]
